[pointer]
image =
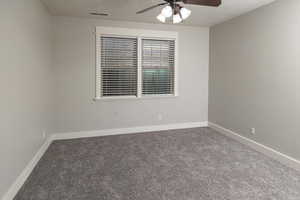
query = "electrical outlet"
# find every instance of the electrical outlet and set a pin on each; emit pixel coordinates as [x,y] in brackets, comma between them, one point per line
[253,131]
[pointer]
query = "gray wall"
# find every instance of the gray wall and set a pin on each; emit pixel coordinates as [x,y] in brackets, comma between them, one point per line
[74,62]
[255,75]
[25,84]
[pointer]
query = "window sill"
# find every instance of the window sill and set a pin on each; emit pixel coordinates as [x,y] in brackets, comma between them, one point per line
[135,97]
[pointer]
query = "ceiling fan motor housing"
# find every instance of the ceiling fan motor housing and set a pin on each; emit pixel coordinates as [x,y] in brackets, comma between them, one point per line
[176,9]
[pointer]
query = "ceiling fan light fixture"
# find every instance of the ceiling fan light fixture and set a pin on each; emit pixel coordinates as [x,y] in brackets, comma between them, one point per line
[177,19]
[161,18]
[167,11]
[185,13]
[174,9]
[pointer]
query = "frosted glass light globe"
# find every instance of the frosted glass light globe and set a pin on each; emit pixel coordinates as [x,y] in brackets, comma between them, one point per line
[167,11]
[177,19]
[161,18]
[185,13]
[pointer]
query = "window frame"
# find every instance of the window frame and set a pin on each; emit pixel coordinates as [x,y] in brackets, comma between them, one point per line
[139,34]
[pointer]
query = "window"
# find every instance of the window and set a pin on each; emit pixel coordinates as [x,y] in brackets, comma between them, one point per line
[135,63]
[118,66]
[158,66]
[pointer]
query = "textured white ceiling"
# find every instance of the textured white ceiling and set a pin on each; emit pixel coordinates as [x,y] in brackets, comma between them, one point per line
[126,9]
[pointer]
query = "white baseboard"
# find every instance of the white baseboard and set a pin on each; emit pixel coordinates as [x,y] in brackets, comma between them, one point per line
[121,131]
[282,158]
[16,186]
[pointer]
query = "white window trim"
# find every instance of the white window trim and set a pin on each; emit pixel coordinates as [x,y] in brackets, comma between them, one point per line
[139,34]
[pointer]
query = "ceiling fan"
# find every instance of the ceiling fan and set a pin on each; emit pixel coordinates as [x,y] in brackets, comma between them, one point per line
[175,9]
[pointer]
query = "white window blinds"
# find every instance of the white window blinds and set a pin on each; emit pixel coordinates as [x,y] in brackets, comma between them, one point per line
[135,63]
[158,60]
[118,66]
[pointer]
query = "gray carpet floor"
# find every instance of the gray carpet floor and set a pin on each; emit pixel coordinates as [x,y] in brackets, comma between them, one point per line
[189,164]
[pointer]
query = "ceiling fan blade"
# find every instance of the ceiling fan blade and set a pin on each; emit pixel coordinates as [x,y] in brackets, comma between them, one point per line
[98,14]
[150,8]
[214,3]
